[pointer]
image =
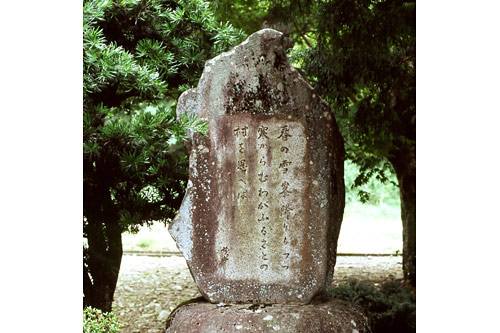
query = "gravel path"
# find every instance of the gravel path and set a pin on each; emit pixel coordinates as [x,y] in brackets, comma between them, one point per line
[149,288]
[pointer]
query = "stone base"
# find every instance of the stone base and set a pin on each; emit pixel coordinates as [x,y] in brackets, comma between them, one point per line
[322,316]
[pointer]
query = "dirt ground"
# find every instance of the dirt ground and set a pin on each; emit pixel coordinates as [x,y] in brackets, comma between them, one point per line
[149,288]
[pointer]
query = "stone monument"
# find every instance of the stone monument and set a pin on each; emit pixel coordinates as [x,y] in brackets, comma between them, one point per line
[261,216]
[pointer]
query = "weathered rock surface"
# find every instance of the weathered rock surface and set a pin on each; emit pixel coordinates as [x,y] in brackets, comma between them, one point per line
[326,315]
[261,216]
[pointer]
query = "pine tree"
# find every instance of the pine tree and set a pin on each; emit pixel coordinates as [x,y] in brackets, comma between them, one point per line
[138,56]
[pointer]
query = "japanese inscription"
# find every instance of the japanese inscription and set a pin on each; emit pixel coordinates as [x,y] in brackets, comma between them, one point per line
[263,204]
[270,161]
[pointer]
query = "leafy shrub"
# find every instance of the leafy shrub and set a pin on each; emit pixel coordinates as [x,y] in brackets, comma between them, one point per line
[144,243]
[373,191]
[95,321]
[391,308]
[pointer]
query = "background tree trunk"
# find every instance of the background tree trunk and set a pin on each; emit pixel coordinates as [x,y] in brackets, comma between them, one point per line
[404,163]
[102,260]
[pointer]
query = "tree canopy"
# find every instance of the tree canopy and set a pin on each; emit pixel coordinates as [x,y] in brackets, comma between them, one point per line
[138,56]
[361,57]
[363,62]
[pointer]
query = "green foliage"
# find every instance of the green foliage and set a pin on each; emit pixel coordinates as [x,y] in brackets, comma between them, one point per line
[95,321]
[364,65]
[144,243]
[149,48]
[138,156]
[138,57]
[360,56]
[237,12]
[392,308]
[375,190]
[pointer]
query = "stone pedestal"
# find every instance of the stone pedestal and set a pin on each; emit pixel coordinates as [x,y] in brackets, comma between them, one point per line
[321,316]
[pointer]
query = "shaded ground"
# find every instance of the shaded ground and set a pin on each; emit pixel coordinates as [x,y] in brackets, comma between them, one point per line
[149,288]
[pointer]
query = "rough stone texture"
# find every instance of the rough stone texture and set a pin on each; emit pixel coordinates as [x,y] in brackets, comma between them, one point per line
[261,216]
[327,315]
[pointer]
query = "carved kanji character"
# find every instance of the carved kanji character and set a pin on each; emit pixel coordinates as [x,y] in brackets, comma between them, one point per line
[285,211]
[285,192]
[225,254]
[242,130]
[284,133]
[242,165]
[262,132]
[283,165]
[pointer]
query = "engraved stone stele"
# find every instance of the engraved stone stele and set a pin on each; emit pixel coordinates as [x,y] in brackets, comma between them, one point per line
[261,216]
